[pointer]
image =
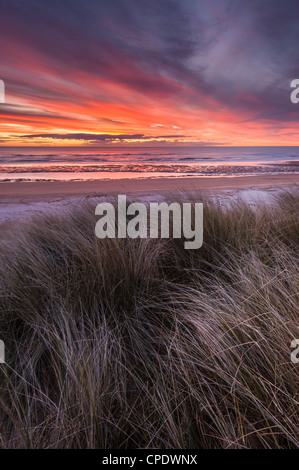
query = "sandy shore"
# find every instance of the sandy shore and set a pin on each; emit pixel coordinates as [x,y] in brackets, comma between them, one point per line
[20,201]
[47,191]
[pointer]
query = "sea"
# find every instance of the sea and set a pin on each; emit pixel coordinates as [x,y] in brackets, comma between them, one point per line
[104,163]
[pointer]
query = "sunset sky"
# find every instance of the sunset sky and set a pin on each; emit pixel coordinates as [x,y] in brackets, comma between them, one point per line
[154,72]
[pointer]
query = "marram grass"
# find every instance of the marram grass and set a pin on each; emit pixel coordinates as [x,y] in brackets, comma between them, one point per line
[142,344]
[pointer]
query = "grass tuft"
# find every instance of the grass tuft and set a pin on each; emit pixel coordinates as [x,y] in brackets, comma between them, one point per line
[140,343]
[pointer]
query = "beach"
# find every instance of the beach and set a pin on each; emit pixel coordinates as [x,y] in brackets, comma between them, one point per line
[149,227]
[21,200]
[41,191]
[145,330]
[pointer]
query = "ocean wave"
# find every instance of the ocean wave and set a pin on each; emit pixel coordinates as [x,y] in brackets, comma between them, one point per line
[142,170]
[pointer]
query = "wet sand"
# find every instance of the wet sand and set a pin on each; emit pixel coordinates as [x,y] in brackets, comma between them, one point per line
[49,191]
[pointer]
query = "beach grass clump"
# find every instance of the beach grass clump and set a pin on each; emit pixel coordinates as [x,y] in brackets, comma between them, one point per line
[122,343]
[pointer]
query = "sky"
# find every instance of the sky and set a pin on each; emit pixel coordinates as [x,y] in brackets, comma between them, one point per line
[148,72]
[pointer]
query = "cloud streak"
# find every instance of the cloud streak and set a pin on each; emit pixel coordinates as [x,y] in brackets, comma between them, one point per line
[99,137]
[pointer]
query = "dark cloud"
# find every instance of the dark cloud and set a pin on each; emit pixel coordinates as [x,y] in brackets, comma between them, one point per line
[99,137]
